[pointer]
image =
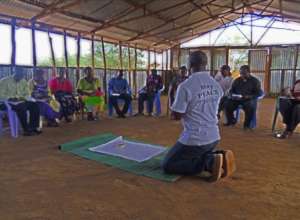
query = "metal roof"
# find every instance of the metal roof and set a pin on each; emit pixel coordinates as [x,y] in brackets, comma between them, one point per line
[155,24]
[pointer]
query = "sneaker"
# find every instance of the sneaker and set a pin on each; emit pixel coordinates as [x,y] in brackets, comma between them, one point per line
[216,172]
[138,114]
[284,135]
[229,165]
[28,133]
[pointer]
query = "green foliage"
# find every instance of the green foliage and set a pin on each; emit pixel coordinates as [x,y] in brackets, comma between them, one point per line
[111,54]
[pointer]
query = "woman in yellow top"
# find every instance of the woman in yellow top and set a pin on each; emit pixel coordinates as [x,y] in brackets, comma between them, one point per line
[91,95]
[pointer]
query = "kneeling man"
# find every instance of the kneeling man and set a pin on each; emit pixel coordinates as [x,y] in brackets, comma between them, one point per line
[196,102]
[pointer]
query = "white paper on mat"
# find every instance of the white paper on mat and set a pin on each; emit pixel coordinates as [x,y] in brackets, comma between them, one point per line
[128,149]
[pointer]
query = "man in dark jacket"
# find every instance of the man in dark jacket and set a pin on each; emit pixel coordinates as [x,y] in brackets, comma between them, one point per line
[244,91]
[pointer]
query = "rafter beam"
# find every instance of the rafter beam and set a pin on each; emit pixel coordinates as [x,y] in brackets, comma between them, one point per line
[147,32]
[146,10]
[146,15]
[189,25]
[78,16]
[120,15]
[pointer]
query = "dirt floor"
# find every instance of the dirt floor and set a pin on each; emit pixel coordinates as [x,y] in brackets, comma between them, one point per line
[37,181]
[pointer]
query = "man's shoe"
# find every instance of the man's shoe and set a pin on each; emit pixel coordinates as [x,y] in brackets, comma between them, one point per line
[90,117]
[216,172]
[138,114]
[28,133]
[52,124]
[228,124]
[284,135]
[37,131]
[229,165]
[248,128]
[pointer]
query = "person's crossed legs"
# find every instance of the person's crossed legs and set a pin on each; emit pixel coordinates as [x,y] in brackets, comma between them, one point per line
[34,116]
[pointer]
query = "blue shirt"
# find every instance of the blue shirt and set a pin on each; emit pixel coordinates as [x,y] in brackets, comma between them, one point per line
[118,85]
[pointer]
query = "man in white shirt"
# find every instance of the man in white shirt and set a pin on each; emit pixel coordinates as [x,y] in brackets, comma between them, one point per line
[196,103]
[225,80]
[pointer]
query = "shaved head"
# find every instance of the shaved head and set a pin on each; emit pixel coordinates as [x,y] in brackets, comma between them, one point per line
[198,61]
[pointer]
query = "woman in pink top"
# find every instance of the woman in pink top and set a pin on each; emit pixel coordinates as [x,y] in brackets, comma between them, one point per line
[62,89]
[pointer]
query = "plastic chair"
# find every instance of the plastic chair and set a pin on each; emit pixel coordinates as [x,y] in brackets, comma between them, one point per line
[254,119]
[13,121]
[157,102]
[120,102]
[275,114]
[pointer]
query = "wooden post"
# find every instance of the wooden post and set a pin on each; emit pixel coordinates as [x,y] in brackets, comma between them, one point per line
[179,58]
[78,58]
[129,65]
[171,58]
[212,72]
[167,59]
[155,65]
[105,73]
[52,50]
[134,73]
[162,61]
[33,45]
[120,56]
[282,79]
[227,55]
[268,72]
[93,53]
[295,64]
[148,68]
[66,54]
[13,45]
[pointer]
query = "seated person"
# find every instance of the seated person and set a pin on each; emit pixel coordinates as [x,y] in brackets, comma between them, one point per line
[244,91]
[49,107]
[225,79]
[196,102]
[62,89]
[153,85]
[91,95]
[15,89]
[119,89]
[289,108]
[179,78]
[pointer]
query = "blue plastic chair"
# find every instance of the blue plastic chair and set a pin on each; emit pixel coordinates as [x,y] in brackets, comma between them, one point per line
[254,119]
[13,121]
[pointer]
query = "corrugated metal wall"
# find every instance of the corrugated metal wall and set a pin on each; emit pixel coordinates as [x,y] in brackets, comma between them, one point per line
[257,61]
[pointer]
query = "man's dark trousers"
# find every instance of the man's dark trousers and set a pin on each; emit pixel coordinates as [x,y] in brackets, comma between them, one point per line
[114,101]
[290,111]
[34,115]
[189,160]
[249,107]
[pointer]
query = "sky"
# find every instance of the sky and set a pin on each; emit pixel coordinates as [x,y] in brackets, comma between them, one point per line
[273,36]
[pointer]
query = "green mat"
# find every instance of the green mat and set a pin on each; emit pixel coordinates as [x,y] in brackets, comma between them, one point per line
[150,168]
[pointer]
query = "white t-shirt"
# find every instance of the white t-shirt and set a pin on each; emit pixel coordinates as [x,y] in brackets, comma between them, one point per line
[225,82]
[198,98]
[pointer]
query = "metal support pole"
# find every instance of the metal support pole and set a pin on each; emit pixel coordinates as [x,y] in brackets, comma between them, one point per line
[13,45]
[52,50]
[93,53]
[148,68]
[129,66]
[33,45]
[105,73]
[120,56]
[66,54]
[78,58]
[135,72]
